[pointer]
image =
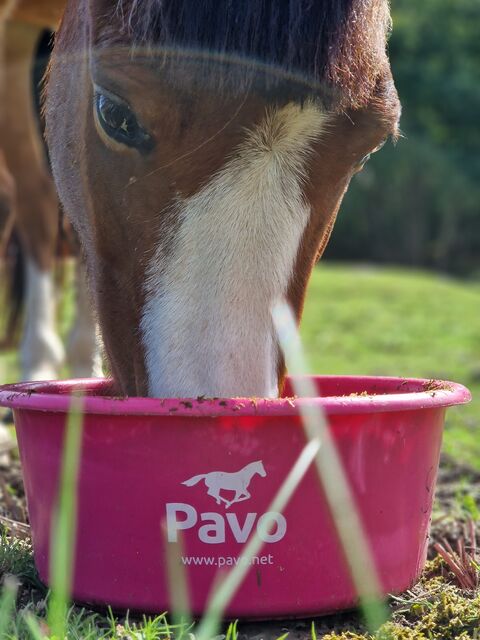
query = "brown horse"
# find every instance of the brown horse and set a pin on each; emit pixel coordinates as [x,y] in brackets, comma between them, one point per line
[201,150]
[28,199]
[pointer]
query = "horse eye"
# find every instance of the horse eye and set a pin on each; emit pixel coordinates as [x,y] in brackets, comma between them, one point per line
[120,123]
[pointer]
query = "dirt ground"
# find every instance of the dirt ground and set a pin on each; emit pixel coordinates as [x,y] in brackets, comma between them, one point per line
[458,493]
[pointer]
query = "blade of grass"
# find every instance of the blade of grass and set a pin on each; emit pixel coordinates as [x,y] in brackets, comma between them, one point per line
[227,588]
[232,631]
[7,603]
[33,627]
[64,525]
[331,473]
[177,581]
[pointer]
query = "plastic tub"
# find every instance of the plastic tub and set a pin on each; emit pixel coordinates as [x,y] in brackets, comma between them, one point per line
[208,468]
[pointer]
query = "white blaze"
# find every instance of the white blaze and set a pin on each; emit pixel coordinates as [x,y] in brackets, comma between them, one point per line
[83,350]
[206,325]
[42,351]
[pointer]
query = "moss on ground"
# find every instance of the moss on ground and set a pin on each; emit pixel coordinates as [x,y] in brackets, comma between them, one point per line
[435,609]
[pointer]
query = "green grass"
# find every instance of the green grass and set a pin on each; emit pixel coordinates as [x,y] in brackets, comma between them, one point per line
[369,320]
[366,320]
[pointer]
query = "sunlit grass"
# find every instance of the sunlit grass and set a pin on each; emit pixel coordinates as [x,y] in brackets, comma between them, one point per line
[7,603]
[378,321]
[64,526]
[320,449]
[225,590]
[331,474]
[372,320]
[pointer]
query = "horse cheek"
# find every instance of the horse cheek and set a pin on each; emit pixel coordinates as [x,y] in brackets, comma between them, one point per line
[213,532]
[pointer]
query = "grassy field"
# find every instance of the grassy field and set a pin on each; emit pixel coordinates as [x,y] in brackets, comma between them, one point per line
[367,320]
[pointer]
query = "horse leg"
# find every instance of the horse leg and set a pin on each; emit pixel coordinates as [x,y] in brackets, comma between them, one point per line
[215,493]
[241,496]
[236,498]
[12,265]
[7,198]
[7,203]
[83,348]
[7,182]
[37,206]
[42,351]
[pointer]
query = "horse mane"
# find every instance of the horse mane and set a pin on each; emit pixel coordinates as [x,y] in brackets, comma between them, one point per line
[337,43]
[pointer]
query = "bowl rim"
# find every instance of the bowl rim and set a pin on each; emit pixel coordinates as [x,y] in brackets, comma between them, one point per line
[426,394]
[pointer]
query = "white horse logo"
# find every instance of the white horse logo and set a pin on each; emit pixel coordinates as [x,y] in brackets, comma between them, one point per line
[237,482]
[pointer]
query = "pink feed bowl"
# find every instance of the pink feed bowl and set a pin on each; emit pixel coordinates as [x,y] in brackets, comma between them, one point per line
[204,471]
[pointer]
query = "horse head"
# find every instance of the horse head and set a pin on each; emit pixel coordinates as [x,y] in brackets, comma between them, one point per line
[259,468]
[201,151]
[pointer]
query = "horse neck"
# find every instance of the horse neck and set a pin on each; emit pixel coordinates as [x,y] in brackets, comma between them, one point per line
[251,469]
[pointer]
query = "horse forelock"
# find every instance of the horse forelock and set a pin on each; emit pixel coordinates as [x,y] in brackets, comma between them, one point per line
[338,44]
